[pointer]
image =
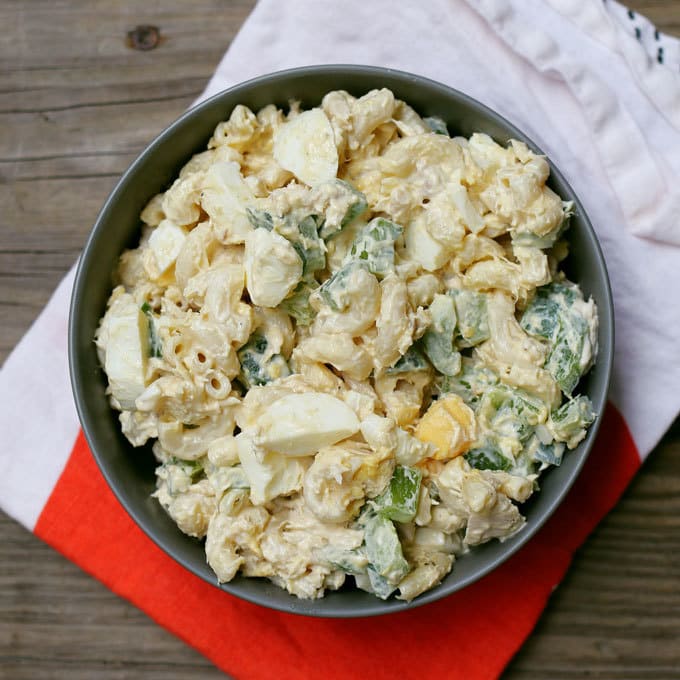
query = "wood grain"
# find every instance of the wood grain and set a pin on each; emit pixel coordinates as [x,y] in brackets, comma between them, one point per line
[76,106]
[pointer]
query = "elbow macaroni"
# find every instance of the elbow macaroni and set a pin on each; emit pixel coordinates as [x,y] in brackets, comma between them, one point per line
[348,335]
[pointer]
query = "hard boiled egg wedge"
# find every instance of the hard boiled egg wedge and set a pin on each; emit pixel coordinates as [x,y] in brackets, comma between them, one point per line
[269,474]
[273,268]
[306,147]
[165,243]
[301,424]
[126,332]
[420,246]
[225,197]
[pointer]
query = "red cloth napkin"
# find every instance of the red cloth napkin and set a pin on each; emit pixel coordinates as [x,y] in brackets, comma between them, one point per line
[470,634]
[605,105]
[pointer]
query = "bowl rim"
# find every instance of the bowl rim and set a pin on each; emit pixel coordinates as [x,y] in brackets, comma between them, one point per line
[605,353]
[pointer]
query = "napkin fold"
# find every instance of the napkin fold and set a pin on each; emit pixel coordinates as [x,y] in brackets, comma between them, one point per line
[598,88]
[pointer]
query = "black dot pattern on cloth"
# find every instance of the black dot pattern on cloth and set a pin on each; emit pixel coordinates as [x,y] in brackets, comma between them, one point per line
[660,48]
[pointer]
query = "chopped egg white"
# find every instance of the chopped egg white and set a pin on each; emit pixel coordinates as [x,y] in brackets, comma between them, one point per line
[301,424]
[272,266]
[165,243]
[305,145]
[124,335]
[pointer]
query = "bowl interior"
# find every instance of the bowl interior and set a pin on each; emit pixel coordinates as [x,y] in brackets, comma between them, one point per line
[130,472]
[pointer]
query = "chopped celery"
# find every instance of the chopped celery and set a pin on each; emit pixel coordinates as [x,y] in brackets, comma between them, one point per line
[399,502]
[352,561]
[470,384]
[558,314]
[472,326]
[309,246]
[437,125]
[548,454]
[383,549]
[223,478]
[412,360]
[194,468]
[356,204]
[488,457]
[332,290]
[524,465]
[235,477]
[542,316]
[375,246]
[256,367]
[437,342]
[179,474]
[302,235]
[380,586]
[297,303]
[547,240]
[358,207]
[155,344]
[570,421]
[511,412]
[563,362]
[260,219]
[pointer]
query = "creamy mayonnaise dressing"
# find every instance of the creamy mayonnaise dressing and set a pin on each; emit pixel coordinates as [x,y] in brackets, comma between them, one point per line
[347,335]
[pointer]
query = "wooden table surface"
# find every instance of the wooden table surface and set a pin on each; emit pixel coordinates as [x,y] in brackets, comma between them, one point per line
[76,106]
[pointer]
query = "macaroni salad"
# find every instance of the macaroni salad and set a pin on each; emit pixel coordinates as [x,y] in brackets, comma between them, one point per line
[348,336]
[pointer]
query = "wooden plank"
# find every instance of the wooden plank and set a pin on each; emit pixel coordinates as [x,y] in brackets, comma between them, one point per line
[61,130]
[66,166]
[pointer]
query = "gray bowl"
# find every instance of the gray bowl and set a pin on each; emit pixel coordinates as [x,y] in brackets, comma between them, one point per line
[130,472]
